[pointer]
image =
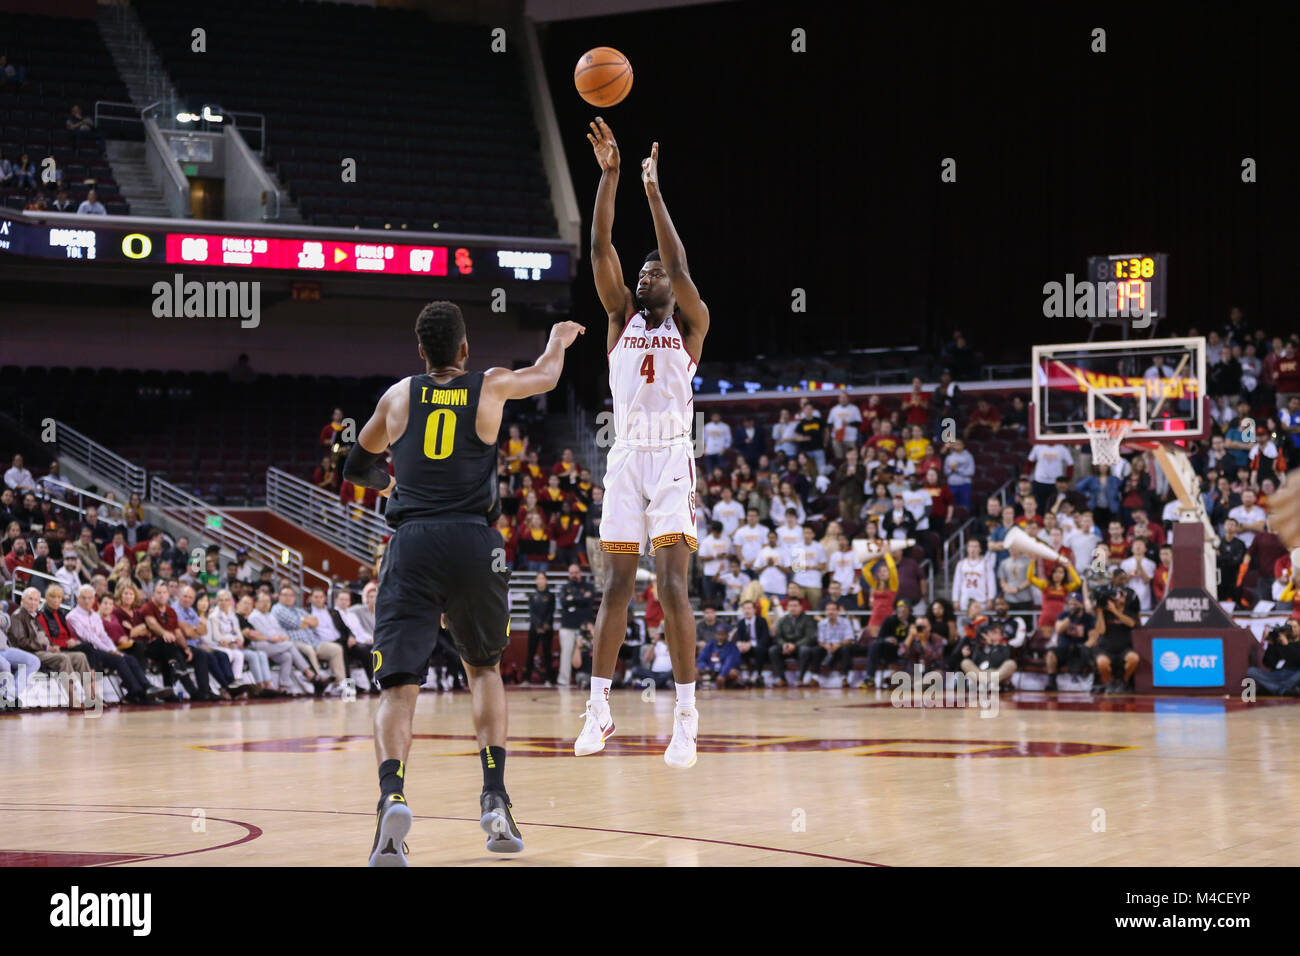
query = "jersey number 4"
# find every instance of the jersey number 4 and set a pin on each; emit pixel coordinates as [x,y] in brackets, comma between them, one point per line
[439,433]
[648,367]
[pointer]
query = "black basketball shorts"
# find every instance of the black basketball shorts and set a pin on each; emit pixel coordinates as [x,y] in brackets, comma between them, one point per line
[436,567]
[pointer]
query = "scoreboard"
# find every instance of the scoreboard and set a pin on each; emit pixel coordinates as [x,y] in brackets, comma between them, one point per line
[1133,282]
[300,253]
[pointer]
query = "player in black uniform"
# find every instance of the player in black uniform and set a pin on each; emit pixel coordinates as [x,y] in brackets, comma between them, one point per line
[445,560]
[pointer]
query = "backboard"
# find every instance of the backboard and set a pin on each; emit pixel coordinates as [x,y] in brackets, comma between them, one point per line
[1157,383]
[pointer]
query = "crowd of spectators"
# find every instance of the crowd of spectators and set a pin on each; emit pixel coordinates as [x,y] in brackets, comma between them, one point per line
[82,594]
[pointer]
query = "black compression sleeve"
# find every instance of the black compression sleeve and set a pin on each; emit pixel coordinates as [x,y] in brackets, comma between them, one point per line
[363,468]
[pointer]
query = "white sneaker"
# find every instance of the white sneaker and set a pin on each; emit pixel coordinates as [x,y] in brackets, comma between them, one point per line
[598,728]
[681,750]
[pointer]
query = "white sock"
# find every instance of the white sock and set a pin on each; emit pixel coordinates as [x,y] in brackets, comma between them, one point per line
[686,695]
[600,690]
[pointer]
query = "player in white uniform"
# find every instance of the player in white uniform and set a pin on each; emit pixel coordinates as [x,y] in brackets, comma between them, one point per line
[654,345]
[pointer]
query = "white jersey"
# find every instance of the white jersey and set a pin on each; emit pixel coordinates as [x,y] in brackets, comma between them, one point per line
[650,375]
[974,581]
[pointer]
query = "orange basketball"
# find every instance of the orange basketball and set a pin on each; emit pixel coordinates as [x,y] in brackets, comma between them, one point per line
[603,76]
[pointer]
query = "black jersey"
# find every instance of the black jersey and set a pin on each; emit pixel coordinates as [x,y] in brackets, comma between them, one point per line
[441,466]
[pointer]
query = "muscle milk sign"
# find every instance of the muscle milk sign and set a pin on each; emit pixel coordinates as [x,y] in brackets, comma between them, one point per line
[1189,607]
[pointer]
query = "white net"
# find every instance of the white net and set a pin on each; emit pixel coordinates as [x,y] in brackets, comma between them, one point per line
[1106,435]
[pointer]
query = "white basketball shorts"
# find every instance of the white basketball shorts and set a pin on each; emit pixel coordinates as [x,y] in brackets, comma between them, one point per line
[649,496]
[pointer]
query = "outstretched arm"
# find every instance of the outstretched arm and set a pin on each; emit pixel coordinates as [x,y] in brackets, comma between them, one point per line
[605,267]
[673,255]
[505,384]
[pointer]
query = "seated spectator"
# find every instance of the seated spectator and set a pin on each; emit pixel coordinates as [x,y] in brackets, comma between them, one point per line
[1017,418]
[708,627]
[943,622]
[795,636]
[63,202]
[88,552]
[261,632]
[166,645]
[24,174]
[887,646]
[91,206]
[28,633]
[656,662]
[6,171]
[92,640]
[43,563]
[753,639]
[18,557]
[719,660]
[18,477]
[836,644]
[17,667]
[983,415]
[331,628]
[224,636]
[71,574]
[78,123]
[300,626]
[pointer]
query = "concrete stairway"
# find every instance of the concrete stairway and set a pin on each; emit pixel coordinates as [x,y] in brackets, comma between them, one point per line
[135,179]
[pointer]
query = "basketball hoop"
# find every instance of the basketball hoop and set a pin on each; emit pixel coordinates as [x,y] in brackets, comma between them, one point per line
[1105,436]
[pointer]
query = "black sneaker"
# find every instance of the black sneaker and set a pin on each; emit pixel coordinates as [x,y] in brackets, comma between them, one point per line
[499,824]
[391,827]
[1051,682]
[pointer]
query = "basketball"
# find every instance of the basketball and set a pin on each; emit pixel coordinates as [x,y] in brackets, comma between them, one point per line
[603,76]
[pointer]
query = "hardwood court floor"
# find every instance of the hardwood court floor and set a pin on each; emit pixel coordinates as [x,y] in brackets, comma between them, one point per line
[784,777]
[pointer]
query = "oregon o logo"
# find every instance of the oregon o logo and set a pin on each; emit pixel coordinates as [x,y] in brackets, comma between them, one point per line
[377,658]
[1169,661]
[137,246]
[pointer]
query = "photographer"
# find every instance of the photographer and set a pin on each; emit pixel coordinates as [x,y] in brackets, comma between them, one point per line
[1069,640]
[923,646]
[1279,674]
[1111,638]
[996,637]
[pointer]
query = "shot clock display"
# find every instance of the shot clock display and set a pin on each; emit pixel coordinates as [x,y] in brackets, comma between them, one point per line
[1134,282]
